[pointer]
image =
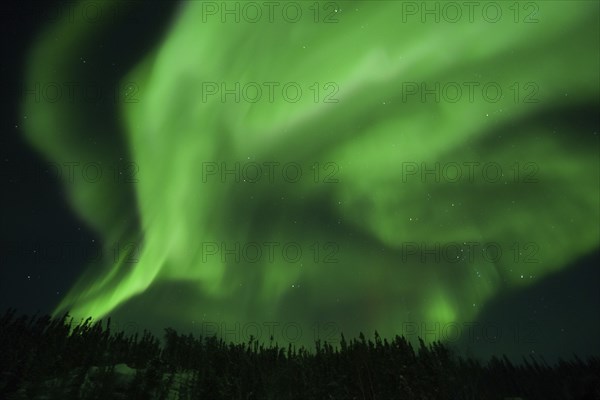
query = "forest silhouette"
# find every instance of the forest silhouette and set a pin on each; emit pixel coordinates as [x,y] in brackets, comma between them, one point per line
[53,358]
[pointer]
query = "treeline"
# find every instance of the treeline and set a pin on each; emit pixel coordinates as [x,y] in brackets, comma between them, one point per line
[51,358]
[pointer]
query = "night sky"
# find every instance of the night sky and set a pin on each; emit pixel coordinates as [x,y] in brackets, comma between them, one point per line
[187,227]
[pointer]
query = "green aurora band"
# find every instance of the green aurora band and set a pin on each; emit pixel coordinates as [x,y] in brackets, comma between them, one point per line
[375,212]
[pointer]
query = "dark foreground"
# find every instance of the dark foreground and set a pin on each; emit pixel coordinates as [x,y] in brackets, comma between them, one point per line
[45,358]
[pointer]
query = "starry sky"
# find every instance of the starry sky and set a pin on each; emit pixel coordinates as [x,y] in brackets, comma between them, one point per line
[305,202]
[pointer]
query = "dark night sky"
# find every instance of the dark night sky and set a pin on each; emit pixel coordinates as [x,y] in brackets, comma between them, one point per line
[44,246]
[34,211]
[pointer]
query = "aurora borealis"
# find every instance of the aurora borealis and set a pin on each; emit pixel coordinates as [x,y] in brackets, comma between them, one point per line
[422,147]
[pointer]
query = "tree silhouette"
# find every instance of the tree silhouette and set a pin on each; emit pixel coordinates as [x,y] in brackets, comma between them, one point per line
[51,358]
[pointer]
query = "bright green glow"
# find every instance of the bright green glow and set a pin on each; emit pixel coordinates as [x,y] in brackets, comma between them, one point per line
[369,134]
